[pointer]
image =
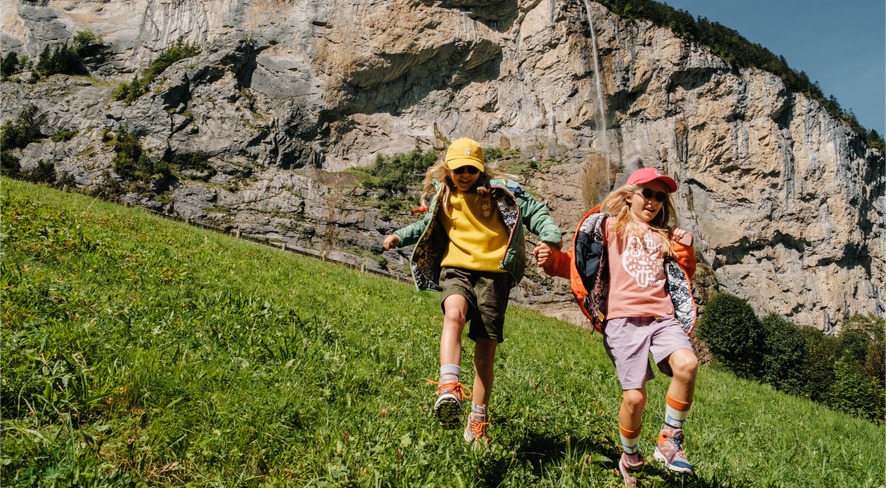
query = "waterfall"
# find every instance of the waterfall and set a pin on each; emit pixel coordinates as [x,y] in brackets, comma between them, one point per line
[599,95]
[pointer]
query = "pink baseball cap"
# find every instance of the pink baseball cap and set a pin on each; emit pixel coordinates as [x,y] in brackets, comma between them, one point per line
[645,175]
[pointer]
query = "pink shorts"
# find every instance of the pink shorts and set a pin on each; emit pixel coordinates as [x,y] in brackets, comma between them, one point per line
[629,340]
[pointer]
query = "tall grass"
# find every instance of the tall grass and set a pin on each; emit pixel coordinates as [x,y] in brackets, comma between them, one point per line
[137,351]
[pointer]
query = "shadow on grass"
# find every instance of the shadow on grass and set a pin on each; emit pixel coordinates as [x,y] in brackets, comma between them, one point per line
[546,451]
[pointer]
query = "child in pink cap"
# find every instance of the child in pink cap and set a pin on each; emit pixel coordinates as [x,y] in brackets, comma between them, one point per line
[630,269]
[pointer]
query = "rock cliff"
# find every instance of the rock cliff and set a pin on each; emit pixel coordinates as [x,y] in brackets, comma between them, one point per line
[787,204]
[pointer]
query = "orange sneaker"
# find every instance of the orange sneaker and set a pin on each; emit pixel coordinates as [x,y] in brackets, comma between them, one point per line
[450,397]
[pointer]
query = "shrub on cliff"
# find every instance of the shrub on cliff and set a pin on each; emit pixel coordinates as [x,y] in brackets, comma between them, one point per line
[733,333]
[395,174]
[130,161]
[9,65]
[23,131]
[129,92]
[61,59]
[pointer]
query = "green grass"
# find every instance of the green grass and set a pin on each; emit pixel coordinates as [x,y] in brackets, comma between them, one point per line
[142,352]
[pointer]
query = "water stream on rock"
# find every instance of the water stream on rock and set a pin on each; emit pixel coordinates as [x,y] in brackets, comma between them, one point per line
[599,94]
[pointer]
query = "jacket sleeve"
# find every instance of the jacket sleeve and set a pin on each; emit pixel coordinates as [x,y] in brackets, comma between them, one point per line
[537,219]
[685,257]
[409,235]
[558,263]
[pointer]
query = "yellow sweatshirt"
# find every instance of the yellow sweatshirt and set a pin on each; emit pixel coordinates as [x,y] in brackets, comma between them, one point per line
[477,236]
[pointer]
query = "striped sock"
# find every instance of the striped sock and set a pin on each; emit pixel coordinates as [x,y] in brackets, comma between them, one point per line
[675,414]
[630,441]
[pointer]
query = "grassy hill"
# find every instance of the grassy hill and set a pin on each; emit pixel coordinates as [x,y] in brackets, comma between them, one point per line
[138,351]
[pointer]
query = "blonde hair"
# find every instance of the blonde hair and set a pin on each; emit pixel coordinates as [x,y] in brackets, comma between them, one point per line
[627,223]
[441,173]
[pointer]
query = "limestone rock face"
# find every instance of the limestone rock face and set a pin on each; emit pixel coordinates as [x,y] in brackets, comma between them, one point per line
[787,204]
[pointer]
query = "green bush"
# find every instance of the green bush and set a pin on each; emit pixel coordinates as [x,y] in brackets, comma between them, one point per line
[9,65]
[87,42]
[819,365]
[855,394]
[23,131]
[9,164]
[198,161]
[491,153]
[733,333]
[62,59]
[63,135]
[131,163]
[853,343]
[784,356]
[44,172]
[874,366]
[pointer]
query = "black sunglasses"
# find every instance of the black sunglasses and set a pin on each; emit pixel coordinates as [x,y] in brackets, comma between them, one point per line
[470,169]
[648,194]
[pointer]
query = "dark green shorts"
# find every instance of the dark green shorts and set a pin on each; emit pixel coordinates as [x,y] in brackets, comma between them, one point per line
[487,296]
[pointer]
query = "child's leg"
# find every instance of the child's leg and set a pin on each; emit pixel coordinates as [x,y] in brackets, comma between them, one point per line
[684,365]
[632,404]
[455,310]
[627,341]
[450,392]
[681,391]
[484,360]
[629,423]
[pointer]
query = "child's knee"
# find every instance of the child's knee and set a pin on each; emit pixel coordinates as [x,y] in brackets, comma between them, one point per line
[685,365]
[454,314]
[635,398]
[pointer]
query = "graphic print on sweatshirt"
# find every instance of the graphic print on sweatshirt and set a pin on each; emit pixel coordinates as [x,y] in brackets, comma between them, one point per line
[643,260]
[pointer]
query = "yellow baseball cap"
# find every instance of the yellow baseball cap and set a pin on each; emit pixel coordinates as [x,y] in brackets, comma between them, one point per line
[464,152]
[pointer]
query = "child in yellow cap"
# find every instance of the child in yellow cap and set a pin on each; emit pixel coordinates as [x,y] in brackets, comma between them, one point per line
[471,246]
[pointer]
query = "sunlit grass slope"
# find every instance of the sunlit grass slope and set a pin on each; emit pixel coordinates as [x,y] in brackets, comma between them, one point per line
[139,351]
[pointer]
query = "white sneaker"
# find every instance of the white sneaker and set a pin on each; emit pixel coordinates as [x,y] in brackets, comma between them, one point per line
[475,431]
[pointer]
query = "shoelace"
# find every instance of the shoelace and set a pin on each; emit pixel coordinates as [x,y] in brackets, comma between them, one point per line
[478,428]
[677,440]
[457,388]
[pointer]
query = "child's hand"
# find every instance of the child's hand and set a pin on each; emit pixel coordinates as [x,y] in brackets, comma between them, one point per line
[542,253]
[391,241]
[681,236]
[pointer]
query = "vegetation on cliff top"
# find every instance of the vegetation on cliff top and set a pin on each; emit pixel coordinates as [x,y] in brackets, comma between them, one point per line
[739,52]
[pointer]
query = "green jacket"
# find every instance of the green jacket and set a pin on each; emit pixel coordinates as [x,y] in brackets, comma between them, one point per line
[516,207]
